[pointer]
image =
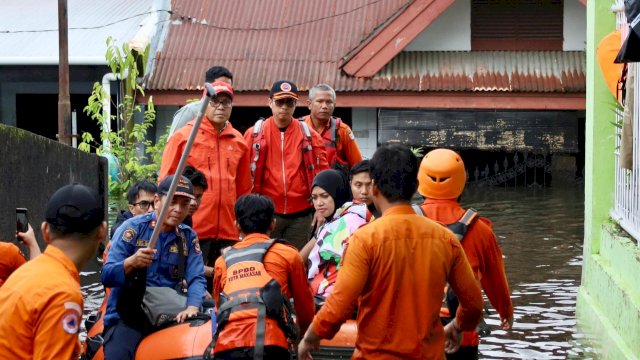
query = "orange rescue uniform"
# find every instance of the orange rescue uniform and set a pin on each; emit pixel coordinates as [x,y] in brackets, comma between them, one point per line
[41,309]
[11,258]
[284,264]
[284,178]
[224,160]
[484,255]
[346,147]
[397,267]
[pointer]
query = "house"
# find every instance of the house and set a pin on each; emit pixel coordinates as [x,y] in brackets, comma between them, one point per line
[29,54]
[608,304]
[480,76]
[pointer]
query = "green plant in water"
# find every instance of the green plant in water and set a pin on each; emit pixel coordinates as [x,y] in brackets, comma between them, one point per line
[135,156]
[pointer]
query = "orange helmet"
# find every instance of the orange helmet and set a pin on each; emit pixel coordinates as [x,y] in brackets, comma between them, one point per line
[441,175]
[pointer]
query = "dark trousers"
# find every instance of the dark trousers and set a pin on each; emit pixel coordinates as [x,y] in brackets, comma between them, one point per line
[294,229]
[464,353]
[211,250]
[270,353]
[121,341]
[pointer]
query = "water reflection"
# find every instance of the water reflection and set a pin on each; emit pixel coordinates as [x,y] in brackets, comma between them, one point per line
[540,232]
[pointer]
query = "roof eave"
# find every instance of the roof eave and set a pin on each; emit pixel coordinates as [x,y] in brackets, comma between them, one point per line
[381,48]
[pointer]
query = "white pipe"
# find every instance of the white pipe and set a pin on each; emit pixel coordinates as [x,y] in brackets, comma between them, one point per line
[106,106]
[74,129]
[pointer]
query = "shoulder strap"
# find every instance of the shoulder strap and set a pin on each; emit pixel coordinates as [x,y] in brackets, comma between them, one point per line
[257,162]
[181,258]
[460,227]
[305,129]
[417,209]
[333,128]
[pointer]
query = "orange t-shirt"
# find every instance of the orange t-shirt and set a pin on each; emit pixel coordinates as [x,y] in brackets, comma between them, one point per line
[284,264]
[41,309]
[397,267]
[483,253]
[11,258]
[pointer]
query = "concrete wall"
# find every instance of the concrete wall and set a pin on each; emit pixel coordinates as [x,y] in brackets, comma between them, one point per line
[574,26]
[33,168]
[365,129]
[450,32]
[608,303]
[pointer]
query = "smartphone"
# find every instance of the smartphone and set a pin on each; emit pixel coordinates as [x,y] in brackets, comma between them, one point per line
[22,220]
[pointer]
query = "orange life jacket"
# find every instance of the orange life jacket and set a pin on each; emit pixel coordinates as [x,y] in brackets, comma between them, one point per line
[251,293]
[331,139]
[260,146]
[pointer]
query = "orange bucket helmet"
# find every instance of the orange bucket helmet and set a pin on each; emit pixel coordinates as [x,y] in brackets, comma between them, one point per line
[442,175]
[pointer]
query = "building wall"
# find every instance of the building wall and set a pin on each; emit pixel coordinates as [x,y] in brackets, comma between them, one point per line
[608,303]
[450,32]
[365,129]
[574,26]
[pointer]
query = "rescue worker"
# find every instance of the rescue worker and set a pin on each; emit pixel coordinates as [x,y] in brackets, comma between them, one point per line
[286,155]
[282,264]
[442,178]
[361,186]
[395,268]
[219,151]
[340,144]
[190,111]
[41,303]
[11,257]
[129,252]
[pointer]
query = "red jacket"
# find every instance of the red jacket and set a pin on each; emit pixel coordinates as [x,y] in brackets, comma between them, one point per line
[483,253]
[224,160]
[284,178]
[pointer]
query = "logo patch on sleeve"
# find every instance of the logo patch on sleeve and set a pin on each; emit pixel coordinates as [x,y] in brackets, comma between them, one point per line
[196,246]
[128,234]
[71,322]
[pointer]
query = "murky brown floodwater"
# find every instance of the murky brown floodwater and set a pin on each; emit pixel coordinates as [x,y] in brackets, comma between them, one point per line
[541,234]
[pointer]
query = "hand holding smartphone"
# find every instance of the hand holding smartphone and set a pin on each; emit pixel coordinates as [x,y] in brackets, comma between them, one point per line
[22,220]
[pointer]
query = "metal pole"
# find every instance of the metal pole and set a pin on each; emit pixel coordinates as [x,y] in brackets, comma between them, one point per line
[181,165]
[64,104]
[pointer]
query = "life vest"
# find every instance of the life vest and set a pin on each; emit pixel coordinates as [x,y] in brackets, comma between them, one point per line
[260,146]
[331,139]
[251,293]
[459,229]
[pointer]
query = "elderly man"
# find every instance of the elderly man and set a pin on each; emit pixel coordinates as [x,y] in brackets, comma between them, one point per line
[286,156]
[340,144]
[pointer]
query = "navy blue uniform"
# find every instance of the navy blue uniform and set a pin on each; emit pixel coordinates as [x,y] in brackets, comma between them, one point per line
[135,234]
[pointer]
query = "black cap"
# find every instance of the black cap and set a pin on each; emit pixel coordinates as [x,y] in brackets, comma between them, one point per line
[184,188]
[283,89]
[75,208]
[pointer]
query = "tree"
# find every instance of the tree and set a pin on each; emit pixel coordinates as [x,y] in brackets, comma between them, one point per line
[131,155]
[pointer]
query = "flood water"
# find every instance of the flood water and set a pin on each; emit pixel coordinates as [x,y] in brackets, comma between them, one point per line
[540,231]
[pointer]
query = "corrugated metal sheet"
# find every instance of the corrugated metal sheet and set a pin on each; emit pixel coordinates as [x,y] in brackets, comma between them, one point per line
[121,20]
[218,32]
[508,71]
[260,42]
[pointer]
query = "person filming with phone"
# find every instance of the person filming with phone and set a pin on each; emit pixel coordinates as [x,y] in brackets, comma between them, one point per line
[11,257]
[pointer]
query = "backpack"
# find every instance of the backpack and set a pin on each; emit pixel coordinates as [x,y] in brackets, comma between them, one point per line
[250,292]
[260,145]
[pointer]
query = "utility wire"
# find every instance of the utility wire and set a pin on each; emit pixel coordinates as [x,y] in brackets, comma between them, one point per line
[200,22]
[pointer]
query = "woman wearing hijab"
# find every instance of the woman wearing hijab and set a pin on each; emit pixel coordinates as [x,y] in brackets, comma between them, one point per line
[331,195]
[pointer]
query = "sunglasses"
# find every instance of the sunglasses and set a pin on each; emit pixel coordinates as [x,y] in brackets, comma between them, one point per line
[144,205]
[226,103]
[283,102]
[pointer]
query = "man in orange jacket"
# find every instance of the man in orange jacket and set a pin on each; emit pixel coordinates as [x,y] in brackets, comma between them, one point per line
[286,156]
[219,151]
[237,338]
[395,268]
[41,303]
[12,258]
[442,177]
[340,144]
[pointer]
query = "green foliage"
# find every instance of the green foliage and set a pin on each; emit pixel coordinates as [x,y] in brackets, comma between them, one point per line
[135,156]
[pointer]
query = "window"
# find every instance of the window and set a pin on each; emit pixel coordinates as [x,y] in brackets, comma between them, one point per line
[516,24]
